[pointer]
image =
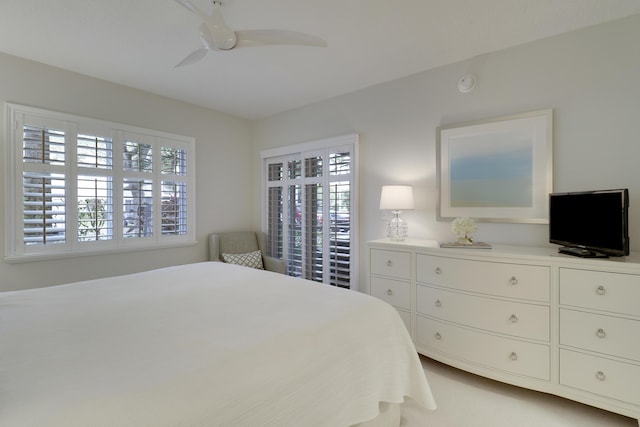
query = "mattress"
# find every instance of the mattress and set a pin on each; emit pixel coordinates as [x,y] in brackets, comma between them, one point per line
[205,344]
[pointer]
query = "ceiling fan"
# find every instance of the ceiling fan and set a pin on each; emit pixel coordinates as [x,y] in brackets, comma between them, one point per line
[216,35]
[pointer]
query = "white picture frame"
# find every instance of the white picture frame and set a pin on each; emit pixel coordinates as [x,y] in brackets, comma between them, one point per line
[496,170]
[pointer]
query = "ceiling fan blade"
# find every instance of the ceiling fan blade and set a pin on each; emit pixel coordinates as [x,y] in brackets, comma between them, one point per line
[193,57]
[206,38]
[216,35]
[252,38]
[191,7]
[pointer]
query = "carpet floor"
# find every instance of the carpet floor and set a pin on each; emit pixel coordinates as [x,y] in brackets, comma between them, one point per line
[468,400]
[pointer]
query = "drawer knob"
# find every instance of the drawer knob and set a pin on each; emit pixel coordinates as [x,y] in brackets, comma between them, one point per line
[389,263]
[600,290]
[438,336]
[601,376]
[438,303]
[600,333]
[513,318]
[513,280]
[513,356]
[389,292]
[438,270]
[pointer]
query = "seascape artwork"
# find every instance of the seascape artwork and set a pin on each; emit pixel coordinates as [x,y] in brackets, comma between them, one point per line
[492,170]
[497,170]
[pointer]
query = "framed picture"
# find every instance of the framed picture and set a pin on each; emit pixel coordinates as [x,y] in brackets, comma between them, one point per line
[497,170]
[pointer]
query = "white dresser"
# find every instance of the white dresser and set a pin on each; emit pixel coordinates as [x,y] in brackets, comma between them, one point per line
[525,316]
[390,280]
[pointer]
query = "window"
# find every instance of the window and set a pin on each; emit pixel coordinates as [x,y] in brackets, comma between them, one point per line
[77,185]
[309,209]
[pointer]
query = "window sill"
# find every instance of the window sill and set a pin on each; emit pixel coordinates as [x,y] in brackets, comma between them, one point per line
[41,256]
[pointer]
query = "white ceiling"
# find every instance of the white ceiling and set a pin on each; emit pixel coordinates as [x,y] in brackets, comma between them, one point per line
[137,42]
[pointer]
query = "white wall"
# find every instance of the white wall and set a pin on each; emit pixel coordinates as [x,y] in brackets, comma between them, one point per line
[223,147]
[589,77]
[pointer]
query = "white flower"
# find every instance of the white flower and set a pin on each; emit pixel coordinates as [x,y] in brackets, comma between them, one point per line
[463,226]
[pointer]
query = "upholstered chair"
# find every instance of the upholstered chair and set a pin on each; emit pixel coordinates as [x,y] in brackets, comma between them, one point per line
[242,243]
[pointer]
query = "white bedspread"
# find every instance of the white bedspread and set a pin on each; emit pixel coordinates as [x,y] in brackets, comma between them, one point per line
[206,344]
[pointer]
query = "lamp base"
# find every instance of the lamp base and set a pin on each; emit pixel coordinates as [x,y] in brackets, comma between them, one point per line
[397,228]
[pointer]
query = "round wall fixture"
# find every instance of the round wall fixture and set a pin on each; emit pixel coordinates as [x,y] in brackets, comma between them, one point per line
[467,83]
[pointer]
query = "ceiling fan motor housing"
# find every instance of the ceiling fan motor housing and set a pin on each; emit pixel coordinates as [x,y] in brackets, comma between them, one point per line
[222,36]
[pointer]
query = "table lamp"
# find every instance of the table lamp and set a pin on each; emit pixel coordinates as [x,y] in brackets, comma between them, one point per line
[396,198]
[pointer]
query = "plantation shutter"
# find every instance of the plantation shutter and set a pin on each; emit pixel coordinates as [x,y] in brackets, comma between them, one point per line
[137,187]
[308,212]
[95,187]
[340,188]
[274,210]
[174,190]
[79,186]
[44,181]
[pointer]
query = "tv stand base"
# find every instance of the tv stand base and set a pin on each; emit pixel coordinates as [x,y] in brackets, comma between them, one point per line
[582,253]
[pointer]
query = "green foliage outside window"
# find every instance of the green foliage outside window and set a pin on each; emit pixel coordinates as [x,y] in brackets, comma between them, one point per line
[92,215]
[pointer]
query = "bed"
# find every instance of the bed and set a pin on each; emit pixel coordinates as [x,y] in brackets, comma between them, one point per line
[205,344]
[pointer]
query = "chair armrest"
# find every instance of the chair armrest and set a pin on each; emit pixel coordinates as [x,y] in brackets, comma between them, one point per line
[214,248]
[273,264]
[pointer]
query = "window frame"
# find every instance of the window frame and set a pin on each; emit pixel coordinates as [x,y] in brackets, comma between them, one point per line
[298,152]
[16,250]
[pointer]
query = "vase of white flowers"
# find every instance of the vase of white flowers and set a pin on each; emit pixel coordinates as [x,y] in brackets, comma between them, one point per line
[464,228]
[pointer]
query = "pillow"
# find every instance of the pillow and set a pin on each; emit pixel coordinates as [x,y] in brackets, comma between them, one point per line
[251,259]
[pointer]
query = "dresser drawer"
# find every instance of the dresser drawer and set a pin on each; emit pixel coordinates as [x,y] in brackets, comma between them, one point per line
[395,292]
[601,376]
[530,282]
[506,317]
[508,355]
[599,333]
[391,263]
[599,290]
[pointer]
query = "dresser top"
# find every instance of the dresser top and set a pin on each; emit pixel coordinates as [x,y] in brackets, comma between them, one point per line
[530,253]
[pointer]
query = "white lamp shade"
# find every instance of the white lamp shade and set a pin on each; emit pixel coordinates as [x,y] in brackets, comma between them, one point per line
[396,197]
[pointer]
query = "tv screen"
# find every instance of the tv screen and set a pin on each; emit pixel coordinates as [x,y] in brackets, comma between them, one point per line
[590,223]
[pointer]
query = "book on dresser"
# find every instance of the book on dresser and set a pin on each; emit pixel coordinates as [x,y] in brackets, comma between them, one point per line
[474,245]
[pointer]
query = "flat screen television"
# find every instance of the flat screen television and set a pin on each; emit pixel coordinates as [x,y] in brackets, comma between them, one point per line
[590,223]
